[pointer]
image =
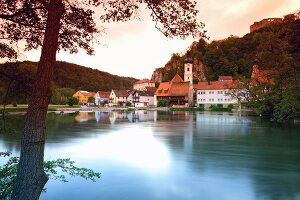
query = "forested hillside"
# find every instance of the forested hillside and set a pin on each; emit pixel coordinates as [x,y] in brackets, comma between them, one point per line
[274,46]
[16,80]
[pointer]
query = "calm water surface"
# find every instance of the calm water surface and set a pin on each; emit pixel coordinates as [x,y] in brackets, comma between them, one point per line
[148,155]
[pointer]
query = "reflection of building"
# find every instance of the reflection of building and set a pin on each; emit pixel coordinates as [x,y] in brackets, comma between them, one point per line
[117,117]
[102,117]
[83,96]
[84,116]
[142,85]
[216,92]
[141,116]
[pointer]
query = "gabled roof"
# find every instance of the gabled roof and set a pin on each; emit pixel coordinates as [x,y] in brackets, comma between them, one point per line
[145,93]
[176,87]
[86,93]
[104,94]
[176,79]
[121,93]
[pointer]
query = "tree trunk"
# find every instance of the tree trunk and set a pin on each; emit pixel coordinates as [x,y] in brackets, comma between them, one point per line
[31,177]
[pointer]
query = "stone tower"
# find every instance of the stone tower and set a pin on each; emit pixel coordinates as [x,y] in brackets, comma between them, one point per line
[188,72]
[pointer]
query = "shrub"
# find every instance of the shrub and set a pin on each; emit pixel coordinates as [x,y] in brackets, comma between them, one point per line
[72,101]
[162,103]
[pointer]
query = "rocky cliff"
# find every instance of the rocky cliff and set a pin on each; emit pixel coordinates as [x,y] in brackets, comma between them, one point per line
[176,66]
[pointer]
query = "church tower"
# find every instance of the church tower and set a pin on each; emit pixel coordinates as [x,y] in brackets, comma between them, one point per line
[188,72]
[188,77]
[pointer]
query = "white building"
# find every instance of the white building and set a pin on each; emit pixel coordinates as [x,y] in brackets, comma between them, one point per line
[118,97]
[101,98]
[143,84]
[217,92]
[143,98]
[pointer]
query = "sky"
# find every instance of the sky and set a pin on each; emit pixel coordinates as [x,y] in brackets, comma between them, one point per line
[136,48]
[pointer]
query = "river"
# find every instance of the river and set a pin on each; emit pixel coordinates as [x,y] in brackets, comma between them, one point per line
[146,155]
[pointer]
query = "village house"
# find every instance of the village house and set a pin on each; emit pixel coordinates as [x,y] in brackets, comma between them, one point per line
[101,98]
[217,92]
[83,96]
[129,98]
[118,97]
[143,98]
[177,92]
[143,84]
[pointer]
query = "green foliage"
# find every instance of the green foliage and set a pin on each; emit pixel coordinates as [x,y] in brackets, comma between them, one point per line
[67,79]
[217,108]
[72,101]
[230,106]
[60,96]
[128,103]
[55,169]
[91,99]
[162,103]
[130,109]
[275,47]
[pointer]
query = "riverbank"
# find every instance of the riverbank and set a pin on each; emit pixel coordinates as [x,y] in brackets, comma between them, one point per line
[22,109]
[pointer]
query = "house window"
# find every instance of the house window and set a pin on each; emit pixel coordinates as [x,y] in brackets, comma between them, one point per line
[188,69]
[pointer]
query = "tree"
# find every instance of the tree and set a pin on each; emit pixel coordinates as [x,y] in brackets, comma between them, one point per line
[72,101]
[69,25]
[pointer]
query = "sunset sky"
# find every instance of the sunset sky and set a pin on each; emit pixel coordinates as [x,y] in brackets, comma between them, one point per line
[136,48]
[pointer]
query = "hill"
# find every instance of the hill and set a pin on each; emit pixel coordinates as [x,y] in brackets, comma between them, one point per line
[268,46]
[18,78]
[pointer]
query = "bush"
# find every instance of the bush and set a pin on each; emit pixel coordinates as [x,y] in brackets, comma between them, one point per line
[72,101]
[162,103]
[127,103]
[230,106]
[220,109]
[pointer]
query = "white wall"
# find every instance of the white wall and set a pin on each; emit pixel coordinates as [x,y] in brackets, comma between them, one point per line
[148,99]
[214,97]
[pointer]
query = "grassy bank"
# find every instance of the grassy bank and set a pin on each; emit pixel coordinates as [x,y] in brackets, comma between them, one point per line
[24,108]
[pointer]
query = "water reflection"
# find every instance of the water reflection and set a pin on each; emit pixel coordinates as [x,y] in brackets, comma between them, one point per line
[179,155]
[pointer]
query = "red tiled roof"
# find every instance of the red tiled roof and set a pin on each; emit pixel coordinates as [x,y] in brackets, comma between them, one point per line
[176,87]
[218,85]
[104,94]
[86,93]
[176,79]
